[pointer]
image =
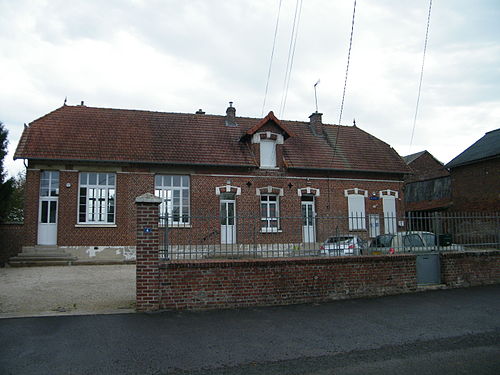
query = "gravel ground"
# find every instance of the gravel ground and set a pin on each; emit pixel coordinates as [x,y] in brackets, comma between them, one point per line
[70,290]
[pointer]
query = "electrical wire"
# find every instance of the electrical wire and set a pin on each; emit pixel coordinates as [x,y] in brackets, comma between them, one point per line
[421,76]
[348,61]
[272,56]
[291,55]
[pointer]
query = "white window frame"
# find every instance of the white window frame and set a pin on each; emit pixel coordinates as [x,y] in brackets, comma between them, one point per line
[97,198]
[266,218]
[175,192]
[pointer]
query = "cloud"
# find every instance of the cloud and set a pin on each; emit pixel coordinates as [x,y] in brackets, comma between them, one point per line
[180,56]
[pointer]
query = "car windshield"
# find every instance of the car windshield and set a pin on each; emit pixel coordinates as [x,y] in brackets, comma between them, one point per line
[429,238]
[382,240]
[412,240]
[338,239]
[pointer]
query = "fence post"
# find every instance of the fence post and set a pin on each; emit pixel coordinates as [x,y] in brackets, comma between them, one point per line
[147,253]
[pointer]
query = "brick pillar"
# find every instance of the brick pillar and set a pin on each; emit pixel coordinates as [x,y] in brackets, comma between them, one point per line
[147,253]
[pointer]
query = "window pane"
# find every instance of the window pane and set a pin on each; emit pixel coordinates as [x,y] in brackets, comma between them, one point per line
[185,181]
[102,178]
[111,179]
[272,210]
[158,180]
[176,181]
[167,180]
[52,213]
[44,213]
[83,178]
[227,196]
[230,213]
[223,214]
[92,178]
[44,187]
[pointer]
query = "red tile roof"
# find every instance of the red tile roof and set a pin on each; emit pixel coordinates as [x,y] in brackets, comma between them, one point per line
[270,117]
[80,133]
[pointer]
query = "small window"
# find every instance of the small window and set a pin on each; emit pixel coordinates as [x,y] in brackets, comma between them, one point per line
[269,207]
[267,153]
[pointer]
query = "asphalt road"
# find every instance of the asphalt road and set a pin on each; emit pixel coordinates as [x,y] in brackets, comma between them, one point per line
[439,332]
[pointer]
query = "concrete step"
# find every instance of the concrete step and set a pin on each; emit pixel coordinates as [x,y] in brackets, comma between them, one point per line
[41,256]
[39,263]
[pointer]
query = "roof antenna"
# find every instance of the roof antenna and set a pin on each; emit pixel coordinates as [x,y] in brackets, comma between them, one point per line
[65,99]
[315,96]
[353,122]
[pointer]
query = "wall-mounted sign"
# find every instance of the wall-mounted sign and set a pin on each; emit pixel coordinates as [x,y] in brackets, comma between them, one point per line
[148,230]
[374,198]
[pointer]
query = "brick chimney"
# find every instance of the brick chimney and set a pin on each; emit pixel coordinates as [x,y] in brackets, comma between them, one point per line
[316,124]
[231,115]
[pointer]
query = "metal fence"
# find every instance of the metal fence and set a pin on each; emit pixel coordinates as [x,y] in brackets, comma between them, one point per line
[240,237]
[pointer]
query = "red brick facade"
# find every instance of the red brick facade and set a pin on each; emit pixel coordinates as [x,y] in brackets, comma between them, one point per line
[204,204]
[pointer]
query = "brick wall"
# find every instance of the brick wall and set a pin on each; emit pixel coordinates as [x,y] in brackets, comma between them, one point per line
[239,283]
[463,269]
[426,167]
[11,240]
[475,187]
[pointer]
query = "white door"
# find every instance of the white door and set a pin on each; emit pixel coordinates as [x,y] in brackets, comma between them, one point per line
[308,225]
[227,219]
[48,207]
[390,220]
[374,225]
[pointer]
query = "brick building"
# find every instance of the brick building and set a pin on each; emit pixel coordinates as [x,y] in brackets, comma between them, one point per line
[217,175]
[475,176]
[428,188]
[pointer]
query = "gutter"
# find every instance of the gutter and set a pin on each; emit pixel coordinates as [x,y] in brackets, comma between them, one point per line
[138,162]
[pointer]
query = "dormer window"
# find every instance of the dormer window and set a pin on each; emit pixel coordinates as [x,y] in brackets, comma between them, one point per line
[267,133]
[267,142]
[267,154]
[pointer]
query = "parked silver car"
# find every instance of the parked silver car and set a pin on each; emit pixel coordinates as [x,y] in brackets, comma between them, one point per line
[411,241]
[340,245]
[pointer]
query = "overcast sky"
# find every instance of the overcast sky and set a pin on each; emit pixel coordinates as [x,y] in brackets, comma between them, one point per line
[179,56]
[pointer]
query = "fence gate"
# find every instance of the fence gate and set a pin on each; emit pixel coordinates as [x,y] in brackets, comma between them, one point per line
[428,269]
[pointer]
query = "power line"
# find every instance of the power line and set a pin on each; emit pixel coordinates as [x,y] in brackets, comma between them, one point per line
[291,55]
[348,61]
[421,75]
[272,56]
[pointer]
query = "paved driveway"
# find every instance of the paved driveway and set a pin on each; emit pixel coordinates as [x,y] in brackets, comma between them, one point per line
[35,291]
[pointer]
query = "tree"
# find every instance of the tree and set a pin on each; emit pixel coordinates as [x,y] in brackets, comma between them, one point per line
[6,186]
[15,209]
